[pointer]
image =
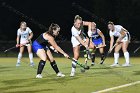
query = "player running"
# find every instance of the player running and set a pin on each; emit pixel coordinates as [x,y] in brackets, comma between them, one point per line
[41,49]
[24,36]
[98,40]
[78,38]
[122,42]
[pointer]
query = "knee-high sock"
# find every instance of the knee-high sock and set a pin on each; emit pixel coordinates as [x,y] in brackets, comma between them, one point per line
[73,66]
[126,55]
[54,66]
[31,57]
[116,57]
[19,57]
[40,66]
[102,56]
[93,58]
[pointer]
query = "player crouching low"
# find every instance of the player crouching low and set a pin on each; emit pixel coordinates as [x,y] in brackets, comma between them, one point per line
[122,42]
[41,49]
[98,40]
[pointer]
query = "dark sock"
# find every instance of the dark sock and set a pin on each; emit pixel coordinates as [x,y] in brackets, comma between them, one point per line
[93,58]
[40,66]
[102,56]
[54,66]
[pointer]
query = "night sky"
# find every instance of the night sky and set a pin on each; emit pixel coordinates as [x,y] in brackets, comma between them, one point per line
[39,14]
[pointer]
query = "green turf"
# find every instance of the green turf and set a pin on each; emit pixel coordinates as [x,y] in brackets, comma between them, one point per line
[22,79]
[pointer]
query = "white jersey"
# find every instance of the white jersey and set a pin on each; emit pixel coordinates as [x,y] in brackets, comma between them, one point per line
[116,33]
[24,35]
[75,33]
[117,30]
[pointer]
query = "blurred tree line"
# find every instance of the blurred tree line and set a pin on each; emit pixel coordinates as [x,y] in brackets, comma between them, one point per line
[123,12]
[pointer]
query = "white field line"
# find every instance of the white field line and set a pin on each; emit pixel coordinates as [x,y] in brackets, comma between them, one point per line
[117,87]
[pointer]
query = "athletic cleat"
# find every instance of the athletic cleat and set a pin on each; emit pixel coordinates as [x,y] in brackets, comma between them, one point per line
[32,64]
[72,74]
[60,74]
[102,61]
[92,64]
[115,65]
[38,76]
[126,65]
[18,64]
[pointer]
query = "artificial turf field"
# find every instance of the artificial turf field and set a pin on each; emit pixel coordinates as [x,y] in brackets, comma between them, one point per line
[22,79]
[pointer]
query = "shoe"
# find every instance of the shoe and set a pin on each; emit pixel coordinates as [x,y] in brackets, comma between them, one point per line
[38,76]
[92,64]
[32,64]
[72,74]
[115,65]
[102,61]
[18,64]
[60,74]
[126,65]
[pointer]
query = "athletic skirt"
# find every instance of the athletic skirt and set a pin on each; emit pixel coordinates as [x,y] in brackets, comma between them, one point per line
[97,41]
[37,46]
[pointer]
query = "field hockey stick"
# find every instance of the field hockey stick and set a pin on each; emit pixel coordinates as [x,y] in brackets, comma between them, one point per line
[9,49]
[137,49]
[108,53]
[81,65]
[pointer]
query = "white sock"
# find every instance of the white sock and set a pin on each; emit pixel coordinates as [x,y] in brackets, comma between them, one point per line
[116,57]
[126,55]
[19,57]
[73,66]
[31,57]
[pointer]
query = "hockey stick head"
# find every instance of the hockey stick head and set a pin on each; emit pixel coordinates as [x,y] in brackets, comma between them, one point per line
[5,51]
[86,67]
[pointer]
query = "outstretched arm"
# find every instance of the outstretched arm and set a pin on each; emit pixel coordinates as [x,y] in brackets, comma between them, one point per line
[89,24]
[54,44]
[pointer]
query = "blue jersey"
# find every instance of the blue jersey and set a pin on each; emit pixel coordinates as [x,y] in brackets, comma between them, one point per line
[95,35]
[96,38]
[40,43]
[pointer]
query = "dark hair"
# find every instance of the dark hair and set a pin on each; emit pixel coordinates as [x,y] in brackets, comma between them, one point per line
[77,17]
[110,22]
[51,28]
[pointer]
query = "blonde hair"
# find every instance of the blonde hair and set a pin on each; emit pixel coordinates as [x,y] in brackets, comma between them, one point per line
[23,22]
[77,17]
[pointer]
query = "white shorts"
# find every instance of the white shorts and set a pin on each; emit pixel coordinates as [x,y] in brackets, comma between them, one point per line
[126,38]
[74,42]
[23,42]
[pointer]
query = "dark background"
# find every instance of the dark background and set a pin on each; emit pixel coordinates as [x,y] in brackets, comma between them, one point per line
[39,14]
